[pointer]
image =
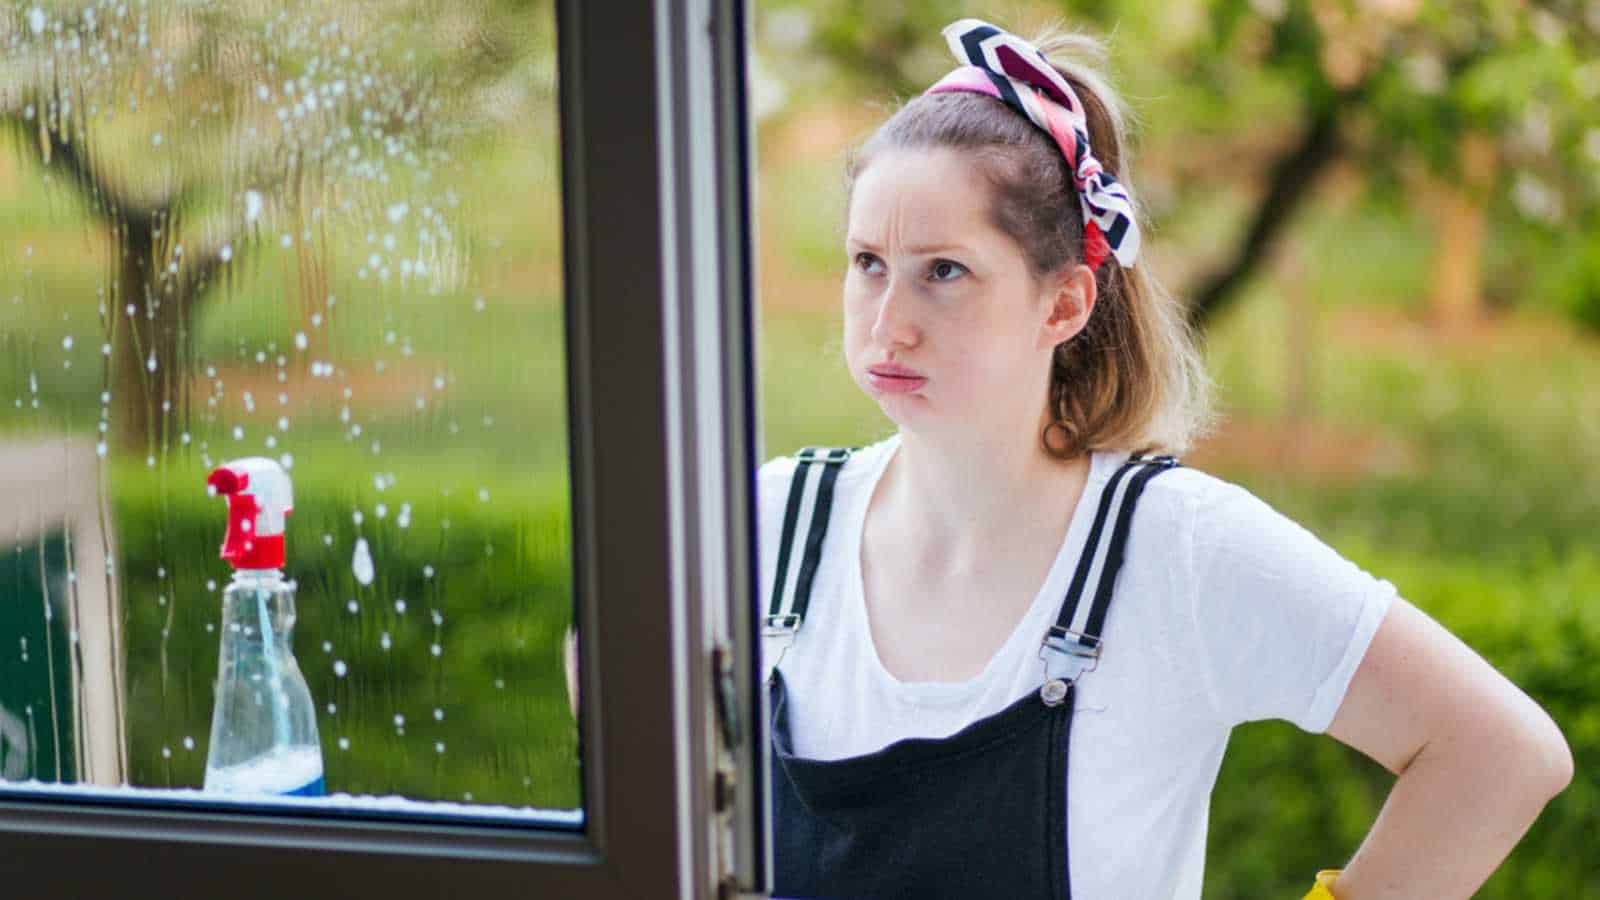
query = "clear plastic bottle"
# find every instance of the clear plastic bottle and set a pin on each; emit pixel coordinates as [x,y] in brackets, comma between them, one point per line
[264,725]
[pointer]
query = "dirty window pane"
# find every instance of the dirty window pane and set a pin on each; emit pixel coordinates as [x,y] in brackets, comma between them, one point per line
[324,235]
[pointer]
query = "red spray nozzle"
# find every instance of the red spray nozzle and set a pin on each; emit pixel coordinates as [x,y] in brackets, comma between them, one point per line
[259,499]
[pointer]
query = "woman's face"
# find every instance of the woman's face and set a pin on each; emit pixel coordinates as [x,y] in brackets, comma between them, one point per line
[944,324]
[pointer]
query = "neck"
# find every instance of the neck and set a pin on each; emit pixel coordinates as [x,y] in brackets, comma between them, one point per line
[971,495]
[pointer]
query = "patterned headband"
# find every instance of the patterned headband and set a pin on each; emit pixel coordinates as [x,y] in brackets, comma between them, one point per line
[1006,67]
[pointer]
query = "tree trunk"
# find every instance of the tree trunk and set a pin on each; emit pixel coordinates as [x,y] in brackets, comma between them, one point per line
[1455,299]
[148,310]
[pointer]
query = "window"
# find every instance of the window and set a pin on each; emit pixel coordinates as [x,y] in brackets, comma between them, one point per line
[343,234]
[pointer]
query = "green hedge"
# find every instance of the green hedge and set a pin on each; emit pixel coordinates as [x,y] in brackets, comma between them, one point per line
[500,583]
[1289,803]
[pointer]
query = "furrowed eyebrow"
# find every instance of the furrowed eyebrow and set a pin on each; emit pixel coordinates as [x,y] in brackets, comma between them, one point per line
[926,250]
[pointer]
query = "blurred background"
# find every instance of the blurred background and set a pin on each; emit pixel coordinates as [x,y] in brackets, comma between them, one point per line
[329,233]
[1383,216]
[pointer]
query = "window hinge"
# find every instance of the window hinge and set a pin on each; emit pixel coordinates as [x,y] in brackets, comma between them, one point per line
[727,695]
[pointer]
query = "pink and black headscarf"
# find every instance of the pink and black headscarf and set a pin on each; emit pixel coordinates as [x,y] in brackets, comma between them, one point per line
[1006,67]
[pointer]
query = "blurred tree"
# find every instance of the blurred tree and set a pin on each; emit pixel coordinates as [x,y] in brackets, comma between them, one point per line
[194,130]
[1495,99]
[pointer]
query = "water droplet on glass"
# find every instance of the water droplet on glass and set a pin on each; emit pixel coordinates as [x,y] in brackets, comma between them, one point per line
[188,743]
[327,540]
[399,720]
[151,363]
[384,642]
[327,646]
[361,564]
[438,714]
[435,649]
[483,495]
[499,684]
[344,743]
[478,304]
[36,21]
[238,432]
[332,709]
[353,607]
[381,510]
[300,340]
[400,606]
[358,517]
[226,253]
[438,746]
[66,342]
[283,423]
[100,448]
[339,668]
[166,752]
[427,572]
[249,402]
[252,206]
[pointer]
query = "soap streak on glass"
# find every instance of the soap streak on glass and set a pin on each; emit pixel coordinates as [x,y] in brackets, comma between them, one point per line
[326,234]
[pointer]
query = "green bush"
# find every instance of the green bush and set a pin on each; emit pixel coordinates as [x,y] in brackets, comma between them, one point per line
[497,573]
[1289,803]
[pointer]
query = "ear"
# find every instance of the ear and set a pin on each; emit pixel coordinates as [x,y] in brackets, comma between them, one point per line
[1069,296]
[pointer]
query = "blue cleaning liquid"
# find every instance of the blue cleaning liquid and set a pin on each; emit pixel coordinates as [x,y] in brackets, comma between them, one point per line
[315,788]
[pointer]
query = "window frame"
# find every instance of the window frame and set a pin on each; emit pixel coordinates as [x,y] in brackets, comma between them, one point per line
[654,154]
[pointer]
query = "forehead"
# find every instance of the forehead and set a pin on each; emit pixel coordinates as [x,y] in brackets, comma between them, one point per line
[921,197]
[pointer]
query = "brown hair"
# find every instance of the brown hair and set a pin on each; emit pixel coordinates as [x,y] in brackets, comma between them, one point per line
[1132,378]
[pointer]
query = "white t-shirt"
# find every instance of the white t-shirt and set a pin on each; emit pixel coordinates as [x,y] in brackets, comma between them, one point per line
[1225,611]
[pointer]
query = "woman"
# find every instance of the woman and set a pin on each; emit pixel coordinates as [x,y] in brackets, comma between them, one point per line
[962,704]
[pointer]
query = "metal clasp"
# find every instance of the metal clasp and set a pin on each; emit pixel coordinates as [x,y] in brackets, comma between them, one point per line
[823,454]
[1068,654]
[778,626]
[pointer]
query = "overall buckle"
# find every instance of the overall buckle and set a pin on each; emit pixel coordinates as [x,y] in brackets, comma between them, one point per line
[1067,654]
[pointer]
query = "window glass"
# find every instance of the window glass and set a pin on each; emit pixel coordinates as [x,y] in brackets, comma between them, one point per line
[323,235]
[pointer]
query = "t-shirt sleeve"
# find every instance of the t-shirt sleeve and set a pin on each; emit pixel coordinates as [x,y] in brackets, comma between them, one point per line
[1283,619]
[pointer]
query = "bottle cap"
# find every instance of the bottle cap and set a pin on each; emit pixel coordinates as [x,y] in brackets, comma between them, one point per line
[259,500]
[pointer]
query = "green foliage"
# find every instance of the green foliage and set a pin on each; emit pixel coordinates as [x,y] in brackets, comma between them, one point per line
[496,574]
[1289,803]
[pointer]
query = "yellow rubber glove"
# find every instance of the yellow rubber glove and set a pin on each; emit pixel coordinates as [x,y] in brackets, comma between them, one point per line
[1323,889]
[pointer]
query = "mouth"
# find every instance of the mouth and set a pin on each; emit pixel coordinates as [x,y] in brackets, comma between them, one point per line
[893,370]
[894,379]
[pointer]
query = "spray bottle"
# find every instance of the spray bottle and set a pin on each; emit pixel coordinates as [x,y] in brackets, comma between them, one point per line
[264,726]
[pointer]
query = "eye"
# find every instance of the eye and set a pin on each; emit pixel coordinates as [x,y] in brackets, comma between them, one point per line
[864,262]
[944,267]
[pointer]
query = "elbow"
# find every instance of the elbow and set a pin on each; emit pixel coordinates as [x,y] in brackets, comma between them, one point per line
[1551,756]
[1561,765]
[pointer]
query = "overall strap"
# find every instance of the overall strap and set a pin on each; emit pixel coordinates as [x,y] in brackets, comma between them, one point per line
[1067,652]
[811,501]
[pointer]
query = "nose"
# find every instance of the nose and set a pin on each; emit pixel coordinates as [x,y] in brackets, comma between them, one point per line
[894,327]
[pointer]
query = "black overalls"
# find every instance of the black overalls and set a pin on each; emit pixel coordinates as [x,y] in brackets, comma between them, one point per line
[981,813]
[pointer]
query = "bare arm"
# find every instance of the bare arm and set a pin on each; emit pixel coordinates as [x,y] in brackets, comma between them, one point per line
[1477,760]
[569,659]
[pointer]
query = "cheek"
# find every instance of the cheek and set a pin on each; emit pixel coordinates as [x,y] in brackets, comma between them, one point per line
[859,314]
